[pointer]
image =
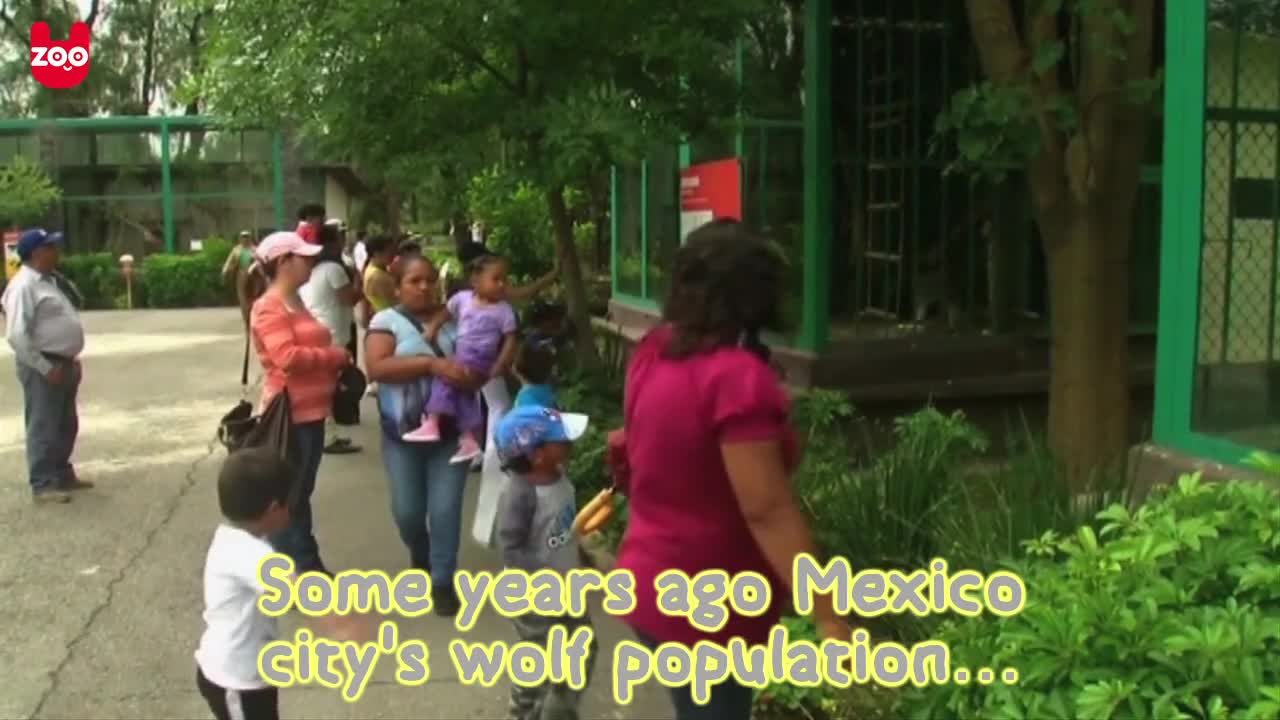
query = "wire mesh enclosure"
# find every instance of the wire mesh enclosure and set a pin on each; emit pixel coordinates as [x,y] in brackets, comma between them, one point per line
[148,184]
[1236,393]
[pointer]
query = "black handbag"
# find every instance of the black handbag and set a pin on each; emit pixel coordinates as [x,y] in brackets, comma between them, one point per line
[241,430]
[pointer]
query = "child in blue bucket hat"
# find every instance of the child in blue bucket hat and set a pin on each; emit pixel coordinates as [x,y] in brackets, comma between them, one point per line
[535,532]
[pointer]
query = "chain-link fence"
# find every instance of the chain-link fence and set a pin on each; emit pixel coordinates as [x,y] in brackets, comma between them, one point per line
[1237,344]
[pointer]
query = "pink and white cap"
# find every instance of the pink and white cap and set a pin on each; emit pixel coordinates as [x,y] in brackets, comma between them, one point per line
[278,244]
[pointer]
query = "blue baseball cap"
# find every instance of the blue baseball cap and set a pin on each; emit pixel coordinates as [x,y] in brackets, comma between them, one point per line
[36,238]
[525,429]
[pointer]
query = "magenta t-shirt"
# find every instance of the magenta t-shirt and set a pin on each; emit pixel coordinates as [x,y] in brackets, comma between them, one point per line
[682,512]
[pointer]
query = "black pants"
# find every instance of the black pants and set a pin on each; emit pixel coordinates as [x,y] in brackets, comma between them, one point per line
[226,704]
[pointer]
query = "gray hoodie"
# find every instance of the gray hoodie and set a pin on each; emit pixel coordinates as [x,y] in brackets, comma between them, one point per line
[535,525]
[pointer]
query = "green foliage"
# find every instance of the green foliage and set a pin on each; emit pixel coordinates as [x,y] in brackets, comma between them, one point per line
[998,125]
[882,514]
[1172,610]
[785,700]
[558,89]
[98,277]
[517,224]
[26,192]
[165,281]
[191,280]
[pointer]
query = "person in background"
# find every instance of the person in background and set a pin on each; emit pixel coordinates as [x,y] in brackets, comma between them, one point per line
[43,328]
[536,533]
[330,296]
[379,286]
[298,355]
[535,364]
[236,270]
[709,487]
[379,283]
[546,324]
[360,253]
[349,262]
[407,249]
[310,218]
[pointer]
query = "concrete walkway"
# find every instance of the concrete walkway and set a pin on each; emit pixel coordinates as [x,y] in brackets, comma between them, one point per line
[102,597]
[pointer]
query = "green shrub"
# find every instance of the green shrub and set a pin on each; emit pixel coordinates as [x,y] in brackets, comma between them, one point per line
[1170,611]
[516,220]
[190,280]
[882,514]
[97,276]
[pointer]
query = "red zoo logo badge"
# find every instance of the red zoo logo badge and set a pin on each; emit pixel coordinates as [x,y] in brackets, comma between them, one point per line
[62,64]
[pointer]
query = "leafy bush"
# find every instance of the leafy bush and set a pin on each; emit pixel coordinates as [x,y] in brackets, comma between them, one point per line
[26,192]
[882,514]
[190,280]
[516,220]
[1174,613]
[97,276]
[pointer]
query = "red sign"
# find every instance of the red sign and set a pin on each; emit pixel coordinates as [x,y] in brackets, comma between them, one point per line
[59,64]
[710,191]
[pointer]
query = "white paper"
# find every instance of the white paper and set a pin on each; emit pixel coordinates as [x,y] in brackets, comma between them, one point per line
[492,480]
[197,245]
[691,220]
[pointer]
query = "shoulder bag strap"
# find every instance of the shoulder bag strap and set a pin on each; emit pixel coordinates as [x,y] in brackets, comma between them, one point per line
[417,325]
[244,367]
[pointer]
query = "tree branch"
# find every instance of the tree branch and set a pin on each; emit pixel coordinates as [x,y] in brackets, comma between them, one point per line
[11,25]
[1006,61]
[479,60]
[93,14]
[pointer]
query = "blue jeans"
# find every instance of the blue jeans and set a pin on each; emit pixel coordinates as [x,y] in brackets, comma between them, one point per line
[306,448]
[729,700]
[426,492]
[52,425]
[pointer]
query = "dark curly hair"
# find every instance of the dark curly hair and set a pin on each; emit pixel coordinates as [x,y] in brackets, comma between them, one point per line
[726,284]
[479,264]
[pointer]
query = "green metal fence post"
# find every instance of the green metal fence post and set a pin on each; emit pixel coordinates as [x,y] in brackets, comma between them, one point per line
[166,187]
[277,176]
[614,266]
[816,310]
[1182,221]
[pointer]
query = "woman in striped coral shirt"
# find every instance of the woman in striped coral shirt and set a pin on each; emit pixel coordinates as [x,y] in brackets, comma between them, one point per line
[297,355]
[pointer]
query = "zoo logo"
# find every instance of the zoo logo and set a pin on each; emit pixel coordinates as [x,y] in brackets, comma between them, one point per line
[63,64]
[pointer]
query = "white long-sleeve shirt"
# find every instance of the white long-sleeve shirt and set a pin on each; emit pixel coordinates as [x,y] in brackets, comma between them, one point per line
[40,320]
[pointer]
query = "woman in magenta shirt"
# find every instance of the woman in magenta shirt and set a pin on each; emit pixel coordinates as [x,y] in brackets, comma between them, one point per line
[709,451]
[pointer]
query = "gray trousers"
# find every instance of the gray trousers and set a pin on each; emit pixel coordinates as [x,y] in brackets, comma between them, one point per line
[52,425]
[551,701]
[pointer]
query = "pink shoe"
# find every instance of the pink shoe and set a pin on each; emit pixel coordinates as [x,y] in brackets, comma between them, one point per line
[427,432]
[468,450]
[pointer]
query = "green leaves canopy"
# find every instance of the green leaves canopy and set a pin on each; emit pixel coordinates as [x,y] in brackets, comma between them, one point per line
[559,88]
[26,192]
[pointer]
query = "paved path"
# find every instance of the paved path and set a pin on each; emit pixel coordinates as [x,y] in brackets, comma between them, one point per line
[101,598]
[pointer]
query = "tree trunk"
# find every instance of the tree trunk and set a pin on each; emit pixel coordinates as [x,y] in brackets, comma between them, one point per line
[1089,400]
[571,275]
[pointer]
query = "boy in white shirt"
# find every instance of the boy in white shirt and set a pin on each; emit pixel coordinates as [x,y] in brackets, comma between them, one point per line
[253,494]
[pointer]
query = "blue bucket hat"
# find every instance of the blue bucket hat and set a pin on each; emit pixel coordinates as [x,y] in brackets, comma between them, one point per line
[525,429]
[36,238]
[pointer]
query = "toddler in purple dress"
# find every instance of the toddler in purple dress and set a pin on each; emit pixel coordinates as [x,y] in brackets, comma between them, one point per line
[486,343]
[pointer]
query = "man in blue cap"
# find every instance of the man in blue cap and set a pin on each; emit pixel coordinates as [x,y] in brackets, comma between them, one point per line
[43,326]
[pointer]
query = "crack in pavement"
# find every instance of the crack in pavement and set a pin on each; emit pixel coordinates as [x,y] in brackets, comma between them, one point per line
[188,482]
